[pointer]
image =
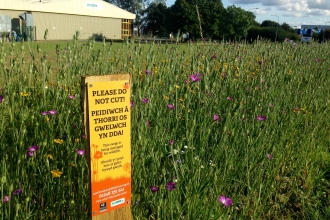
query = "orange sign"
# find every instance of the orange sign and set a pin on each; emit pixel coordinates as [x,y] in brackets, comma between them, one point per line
[110,147]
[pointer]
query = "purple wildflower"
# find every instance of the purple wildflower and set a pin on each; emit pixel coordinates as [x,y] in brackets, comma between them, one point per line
[148,123]
[1,98]
[83,136]
[52,112]
[230,98]
[216,118]
[296,108]
[72,97]
[226,201]
[223,74]
[44,113]
[170,186]
[6,199]
[261,118]
[145,100]
[148,72]
[18,192]
[214,56]
[81,152]
[30,153]
[171,142]
[154,189]
[269,156]
[33,148]
[170,106]
[259,62]
[194,78]
[131,104]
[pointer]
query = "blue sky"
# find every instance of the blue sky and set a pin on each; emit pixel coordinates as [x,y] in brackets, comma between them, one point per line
[293,12]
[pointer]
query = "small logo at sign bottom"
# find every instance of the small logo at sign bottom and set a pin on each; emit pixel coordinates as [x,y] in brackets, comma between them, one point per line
[117,202]
[103,206]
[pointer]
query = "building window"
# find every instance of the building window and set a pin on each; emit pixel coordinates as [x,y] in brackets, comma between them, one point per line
[126,28]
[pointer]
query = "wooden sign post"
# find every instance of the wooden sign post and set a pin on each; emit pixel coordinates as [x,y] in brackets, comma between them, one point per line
[107,119]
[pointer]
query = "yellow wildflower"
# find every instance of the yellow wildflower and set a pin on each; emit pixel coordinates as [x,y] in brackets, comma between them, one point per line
[166,97]
[49,156]
[58,141]
[24,93]
[56,173]
[176,86]
[77,140]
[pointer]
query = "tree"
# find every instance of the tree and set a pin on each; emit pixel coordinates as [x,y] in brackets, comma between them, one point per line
[156,18]
[287,27]
[134,6]
[183,15]
[238,22]
[269,23]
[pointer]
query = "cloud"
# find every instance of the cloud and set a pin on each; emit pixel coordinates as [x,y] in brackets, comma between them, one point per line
[319,4]
[292,8]
[311,4]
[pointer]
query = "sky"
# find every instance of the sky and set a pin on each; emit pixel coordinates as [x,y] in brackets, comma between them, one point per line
[292,12]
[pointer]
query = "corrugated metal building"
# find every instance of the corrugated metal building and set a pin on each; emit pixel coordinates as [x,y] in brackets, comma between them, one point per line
[63,18]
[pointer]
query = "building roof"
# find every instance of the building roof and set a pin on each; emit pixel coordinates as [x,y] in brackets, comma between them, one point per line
[97,8]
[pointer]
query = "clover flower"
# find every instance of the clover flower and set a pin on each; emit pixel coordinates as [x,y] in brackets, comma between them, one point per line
[216,118]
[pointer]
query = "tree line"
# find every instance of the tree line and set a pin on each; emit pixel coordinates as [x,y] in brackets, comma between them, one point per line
[207,19]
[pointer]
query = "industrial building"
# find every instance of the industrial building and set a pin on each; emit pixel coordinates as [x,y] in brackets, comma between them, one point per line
[62,18]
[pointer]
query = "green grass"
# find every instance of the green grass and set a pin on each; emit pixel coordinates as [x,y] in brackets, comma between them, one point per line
[287,83]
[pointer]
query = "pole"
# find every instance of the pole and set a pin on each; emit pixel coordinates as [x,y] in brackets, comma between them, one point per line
[278,21]
[324,31]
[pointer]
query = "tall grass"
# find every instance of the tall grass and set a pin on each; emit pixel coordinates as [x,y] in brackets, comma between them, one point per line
[250,121]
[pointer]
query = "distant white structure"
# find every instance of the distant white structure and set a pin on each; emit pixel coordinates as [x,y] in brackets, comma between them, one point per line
[63,18]
[306,31]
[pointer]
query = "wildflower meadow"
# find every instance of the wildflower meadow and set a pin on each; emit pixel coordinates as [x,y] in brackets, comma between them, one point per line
[219,130]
